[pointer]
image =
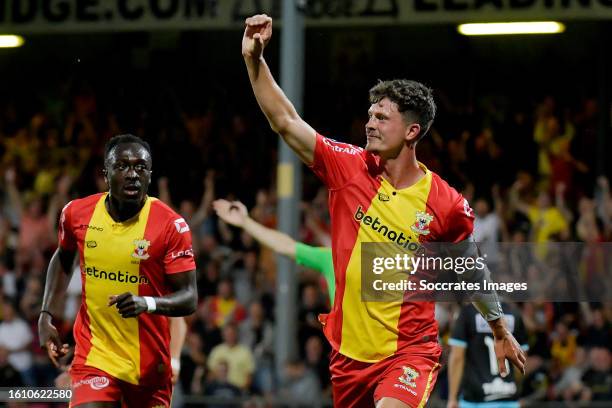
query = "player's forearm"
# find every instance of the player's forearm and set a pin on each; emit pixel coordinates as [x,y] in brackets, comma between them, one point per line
[178,331]
[275,240]
[484,300]
[271,99]
[456,363]
[58,277]
[180,303]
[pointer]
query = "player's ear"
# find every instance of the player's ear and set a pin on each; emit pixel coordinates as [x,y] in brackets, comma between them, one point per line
[105,174]
[413,131]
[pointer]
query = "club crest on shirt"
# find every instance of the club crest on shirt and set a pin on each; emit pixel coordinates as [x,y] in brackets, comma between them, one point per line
[409,376]
[141,248]
[421,225]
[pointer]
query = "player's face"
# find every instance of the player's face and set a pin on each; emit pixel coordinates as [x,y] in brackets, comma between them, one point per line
[128,172]
[386,130]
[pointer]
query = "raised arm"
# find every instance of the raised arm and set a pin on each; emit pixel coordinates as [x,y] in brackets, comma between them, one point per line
[498,206]
[14,195]
[236,214]
[515,201]
[164,191]
[279,110]
[207,198]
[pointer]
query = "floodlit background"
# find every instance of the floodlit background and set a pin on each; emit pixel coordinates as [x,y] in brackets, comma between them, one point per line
[523,119]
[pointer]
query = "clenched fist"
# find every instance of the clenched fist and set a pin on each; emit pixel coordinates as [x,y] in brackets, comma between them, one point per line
[257,34]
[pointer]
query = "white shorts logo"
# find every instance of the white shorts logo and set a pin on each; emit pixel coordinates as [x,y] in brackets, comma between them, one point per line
[97,383]
[181,225]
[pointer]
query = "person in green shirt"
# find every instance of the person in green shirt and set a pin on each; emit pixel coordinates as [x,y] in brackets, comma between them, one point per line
[317,258]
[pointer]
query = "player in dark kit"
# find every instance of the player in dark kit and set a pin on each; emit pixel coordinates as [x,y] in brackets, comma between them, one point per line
[472,359]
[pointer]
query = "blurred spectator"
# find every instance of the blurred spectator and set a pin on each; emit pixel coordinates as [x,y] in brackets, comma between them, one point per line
[31,299]
[488,227]
[300,385]
[317,362]
[245,277]
[9,376]
[598,332]
[597,380]
[219,386]
[224,306]
[569,386]
[535,383]
[547,222]
[308,315]
[36,232]
[537,318]
[550,133]
[194,217]
[208,277]
[240,360]
[16,337]
[257,334]
[563,347]
[202,337]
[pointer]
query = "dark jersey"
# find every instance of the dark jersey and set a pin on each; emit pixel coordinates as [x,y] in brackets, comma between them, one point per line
[481,380]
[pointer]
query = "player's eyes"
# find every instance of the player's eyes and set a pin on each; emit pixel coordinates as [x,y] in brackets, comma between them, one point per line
[139,168]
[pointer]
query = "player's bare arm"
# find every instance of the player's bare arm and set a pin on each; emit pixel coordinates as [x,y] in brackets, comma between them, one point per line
[279,110]
[236,214]
[181,302]
[58,276]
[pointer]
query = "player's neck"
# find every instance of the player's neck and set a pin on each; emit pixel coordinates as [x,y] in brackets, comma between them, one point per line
[122,211]
[402,171]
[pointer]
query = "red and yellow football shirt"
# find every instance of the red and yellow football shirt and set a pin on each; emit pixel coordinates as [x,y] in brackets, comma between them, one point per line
[116,257]
[364,207]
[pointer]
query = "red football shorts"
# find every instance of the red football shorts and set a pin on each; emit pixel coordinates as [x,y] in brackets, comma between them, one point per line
[408,376]
[90,385]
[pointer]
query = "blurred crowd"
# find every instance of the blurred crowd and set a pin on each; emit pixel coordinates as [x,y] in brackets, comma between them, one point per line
[529,173]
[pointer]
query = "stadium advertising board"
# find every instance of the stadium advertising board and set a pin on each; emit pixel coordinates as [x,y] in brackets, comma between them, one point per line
[29,16]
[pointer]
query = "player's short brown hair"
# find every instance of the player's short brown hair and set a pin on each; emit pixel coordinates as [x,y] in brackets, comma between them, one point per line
[413,99]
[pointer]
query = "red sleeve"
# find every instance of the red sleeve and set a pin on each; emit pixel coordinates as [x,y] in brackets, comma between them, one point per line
[460,221]
[179,251]
[65,233]
[335,163]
